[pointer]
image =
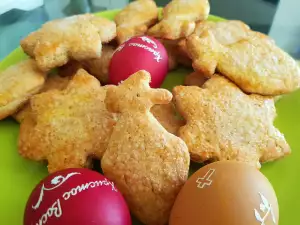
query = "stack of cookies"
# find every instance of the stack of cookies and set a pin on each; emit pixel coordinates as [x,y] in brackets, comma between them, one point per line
[146,137]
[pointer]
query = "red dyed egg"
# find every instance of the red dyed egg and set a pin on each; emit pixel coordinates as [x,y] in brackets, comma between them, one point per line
[139,53]
[76,196]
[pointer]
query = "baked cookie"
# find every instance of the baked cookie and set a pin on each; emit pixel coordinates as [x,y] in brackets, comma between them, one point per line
[171,48]
[135,19]
[148,164]
[17,84]
[100,67]
[195,79]
[77,37]
[179,19]
[70,68]
[176,57]
[224,123]
[250,59]
[52,82]
[167,115]
[66,127]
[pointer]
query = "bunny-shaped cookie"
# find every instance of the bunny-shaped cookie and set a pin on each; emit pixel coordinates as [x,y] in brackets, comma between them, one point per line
[148,164]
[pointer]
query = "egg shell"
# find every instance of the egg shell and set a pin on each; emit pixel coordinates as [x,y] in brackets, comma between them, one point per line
[139,53]
[227,193]
[76,196]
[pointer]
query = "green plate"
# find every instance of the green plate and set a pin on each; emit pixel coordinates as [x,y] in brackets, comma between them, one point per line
[18,176]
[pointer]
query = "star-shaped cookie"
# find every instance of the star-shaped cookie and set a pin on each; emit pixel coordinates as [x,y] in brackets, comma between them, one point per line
[52,82]
[250,59]
[224,123]
[67,127]
[78,37]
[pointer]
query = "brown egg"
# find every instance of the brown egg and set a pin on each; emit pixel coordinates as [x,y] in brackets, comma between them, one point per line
[226,193]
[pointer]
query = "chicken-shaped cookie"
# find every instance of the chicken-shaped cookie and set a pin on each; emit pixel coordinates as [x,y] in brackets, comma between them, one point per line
[17,84]
[77,37]
[179,18]
[52,82]
[69,126]
[250,59]
[135,19]
[148,164]
[224,123]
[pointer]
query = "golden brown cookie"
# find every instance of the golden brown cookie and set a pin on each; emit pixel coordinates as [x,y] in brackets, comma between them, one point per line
[100,67]
[17,84]
[70,68]
[22,113]
[148,164]
[234,29]
[135,19]
[176,57]
[183,59]
[171,47]
[224,123]
[52,82]
[167,116]
[179,18]
[182,44]
[67,126]
[195,79]
[77,37]
[250,59]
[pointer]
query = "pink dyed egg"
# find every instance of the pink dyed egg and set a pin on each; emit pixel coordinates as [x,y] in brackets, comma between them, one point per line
[76,196]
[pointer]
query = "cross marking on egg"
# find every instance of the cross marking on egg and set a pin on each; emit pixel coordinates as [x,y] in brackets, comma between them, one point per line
[205,181]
